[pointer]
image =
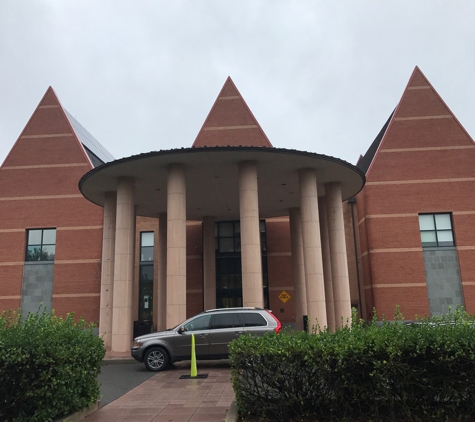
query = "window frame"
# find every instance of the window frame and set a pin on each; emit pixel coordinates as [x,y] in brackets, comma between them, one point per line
[146,269]
[436,230]
[42,246]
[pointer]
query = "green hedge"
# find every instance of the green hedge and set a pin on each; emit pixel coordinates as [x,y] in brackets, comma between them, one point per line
[389,372]
[48,366]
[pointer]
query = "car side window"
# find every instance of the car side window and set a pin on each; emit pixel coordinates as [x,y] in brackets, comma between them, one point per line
[225,320]
[198,324]
[253,319]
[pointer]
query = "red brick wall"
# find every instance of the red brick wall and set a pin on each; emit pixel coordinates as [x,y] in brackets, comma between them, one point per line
[39,189]
[421,157]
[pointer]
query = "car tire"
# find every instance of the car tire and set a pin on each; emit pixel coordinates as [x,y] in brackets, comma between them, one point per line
[156,359]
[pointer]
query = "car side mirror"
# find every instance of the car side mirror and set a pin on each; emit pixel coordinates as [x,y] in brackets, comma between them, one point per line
[181,330]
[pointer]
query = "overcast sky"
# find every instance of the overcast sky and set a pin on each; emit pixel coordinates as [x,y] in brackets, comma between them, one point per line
[319,75]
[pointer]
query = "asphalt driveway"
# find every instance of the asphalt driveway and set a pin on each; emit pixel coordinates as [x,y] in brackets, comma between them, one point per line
[119,377]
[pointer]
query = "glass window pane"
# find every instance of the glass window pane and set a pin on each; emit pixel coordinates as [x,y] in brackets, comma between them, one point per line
[226,230]
[445,238]
[34,237]
[146,273]
[198,324]
[262,226]
[428,239]
[226,245]
[426,221]
[253,320]
[33,253]
[146,253]
[442,222]
[49,237]
[237,228]
[228,320]
[147,239]
[47,253]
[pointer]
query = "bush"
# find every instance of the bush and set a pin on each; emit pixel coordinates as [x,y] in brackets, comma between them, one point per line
[48,366]
[394,372]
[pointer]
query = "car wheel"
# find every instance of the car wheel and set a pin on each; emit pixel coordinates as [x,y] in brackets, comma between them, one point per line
[156,359]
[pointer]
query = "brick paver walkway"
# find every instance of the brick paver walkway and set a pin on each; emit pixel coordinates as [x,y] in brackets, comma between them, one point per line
[167,398]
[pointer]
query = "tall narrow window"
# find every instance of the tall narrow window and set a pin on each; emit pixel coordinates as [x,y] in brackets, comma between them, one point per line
[228,264]
[146,276]
[436,230]
[41,245]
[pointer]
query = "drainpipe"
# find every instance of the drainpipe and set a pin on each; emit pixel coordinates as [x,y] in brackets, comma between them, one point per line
[352,202]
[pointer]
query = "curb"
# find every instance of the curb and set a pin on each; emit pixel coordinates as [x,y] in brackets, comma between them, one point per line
[111,361]
[232,415]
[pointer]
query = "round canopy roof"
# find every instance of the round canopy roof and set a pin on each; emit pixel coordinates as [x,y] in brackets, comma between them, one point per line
[212,182]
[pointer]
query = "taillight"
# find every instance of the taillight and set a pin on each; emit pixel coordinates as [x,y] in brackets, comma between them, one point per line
[279,325]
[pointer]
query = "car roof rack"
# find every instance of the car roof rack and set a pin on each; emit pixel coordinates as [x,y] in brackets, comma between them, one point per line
[235,309]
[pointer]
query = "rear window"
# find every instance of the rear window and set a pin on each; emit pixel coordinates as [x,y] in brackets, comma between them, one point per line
[227,320]
[253,320]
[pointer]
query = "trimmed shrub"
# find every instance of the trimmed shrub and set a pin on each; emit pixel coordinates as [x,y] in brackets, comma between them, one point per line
[394,372]
[48,366]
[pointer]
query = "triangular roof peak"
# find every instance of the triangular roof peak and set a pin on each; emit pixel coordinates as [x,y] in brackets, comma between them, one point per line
[418,79]
[50,124]
[421,122]
[231,123]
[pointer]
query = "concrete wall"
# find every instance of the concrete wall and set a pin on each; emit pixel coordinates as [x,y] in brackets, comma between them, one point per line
[37,287]
[444,287]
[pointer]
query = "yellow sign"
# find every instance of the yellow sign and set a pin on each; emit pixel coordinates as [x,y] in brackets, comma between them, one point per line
[284,296]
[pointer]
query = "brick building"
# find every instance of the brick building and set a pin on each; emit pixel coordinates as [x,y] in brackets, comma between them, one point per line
[50,237]
[107,255]
[416,213]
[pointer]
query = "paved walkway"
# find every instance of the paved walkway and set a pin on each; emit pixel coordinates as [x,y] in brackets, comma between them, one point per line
[167,398]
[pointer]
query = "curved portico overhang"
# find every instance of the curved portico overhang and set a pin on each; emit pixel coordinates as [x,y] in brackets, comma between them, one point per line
[212,179]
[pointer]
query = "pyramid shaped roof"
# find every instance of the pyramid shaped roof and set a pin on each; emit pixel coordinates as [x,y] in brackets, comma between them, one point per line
[411,126]
[231,123]
[49,124]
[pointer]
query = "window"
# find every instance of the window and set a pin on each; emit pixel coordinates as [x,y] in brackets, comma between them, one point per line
[253,320]
[41,245]
[228,264]
[227,320]
[146,246]
[146,271]
[228,237]
[198,324]
[436,230]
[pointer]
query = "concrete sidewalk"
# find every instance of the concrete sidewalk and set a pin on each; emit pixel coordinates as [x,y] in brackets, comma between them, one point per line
[166,397]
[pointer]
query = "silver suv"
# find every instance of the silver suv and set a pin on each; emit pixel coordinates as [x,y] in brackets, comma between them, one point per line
[213,330]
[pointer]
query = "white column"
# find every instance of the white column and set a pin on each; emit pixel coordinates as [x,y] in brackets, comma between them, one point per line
[298,267]
[107,269]
[312,249]
[209,264]
[124,266]
[336,232]
[251,260]
[160,284]
[176,245]
[327,264]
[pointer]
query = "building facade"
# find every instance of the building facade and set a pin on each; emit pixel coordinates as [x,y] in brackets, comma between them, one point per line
[233,221]
[50,237]
[416,213]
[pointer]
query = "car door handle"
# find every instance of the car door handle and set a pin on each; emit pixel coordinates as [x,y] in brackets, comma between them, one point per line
[237,333]
[202,335]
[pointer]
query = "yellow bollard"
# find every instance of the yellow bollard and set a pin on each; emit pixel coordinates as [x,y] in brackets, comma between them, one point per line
[194,370]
